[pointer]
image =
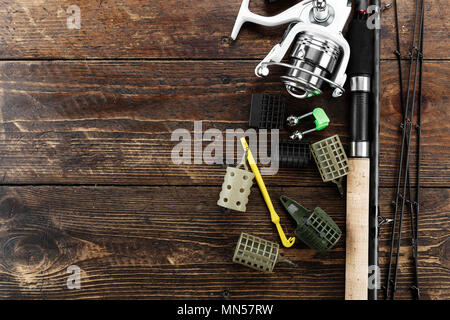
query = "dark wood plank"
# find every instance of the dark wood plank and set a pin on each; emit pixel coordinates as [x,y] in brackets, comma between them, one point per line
[111,122]
[433,252]
[172,29]
[173,242]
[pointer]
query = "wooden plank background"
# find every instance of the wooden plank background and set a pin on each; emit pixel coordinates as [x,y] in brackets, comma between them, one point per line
[85,142]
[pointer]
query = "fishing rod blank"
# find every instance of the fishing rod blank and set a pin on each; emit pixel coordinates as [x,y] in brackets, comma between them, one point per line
[360,71]
[409,109]
[375,161]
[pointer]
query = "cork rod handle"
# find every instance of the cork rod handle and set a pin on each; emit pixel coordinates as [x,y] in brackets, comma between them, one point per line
[357,230]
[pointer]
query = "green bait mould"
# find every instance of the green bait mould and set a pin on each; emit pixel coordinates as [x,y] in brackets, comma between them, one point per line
[331,160]
[257,253]
[315,228]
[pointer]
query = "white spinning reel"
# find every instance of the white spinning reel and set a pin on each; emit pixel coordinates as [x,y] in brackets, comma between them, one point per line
[319,51]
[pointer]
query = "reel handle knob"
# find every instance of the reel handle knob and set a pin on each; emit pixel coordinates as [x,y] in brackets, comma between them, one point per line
[321,11]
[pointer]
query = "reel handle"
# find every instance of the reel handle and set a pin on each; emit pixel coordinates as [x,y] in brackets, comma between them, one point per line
[245,15]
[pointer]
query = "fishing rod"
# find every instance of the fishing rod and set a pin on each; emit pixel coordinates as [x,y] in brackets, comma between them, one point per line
[414,205]
[360,71]
[415,287]
[408,118]
[374,210]
[399,172]
[406,130]
[397,52]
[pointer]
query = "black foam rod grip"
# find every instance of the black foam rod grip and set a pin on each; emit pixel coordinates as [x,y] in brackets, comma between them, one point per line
[360,39]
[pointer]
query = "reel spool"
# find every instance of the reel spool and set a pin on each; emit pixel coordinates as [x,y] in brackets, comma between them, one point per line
[312,62]
[319,51]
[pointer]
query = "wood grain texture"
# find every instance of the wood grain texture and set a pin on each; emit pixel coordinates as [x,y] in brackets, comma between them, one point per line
[111,122]
[85,141]
[185,29]
[174,242]
[434,256]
